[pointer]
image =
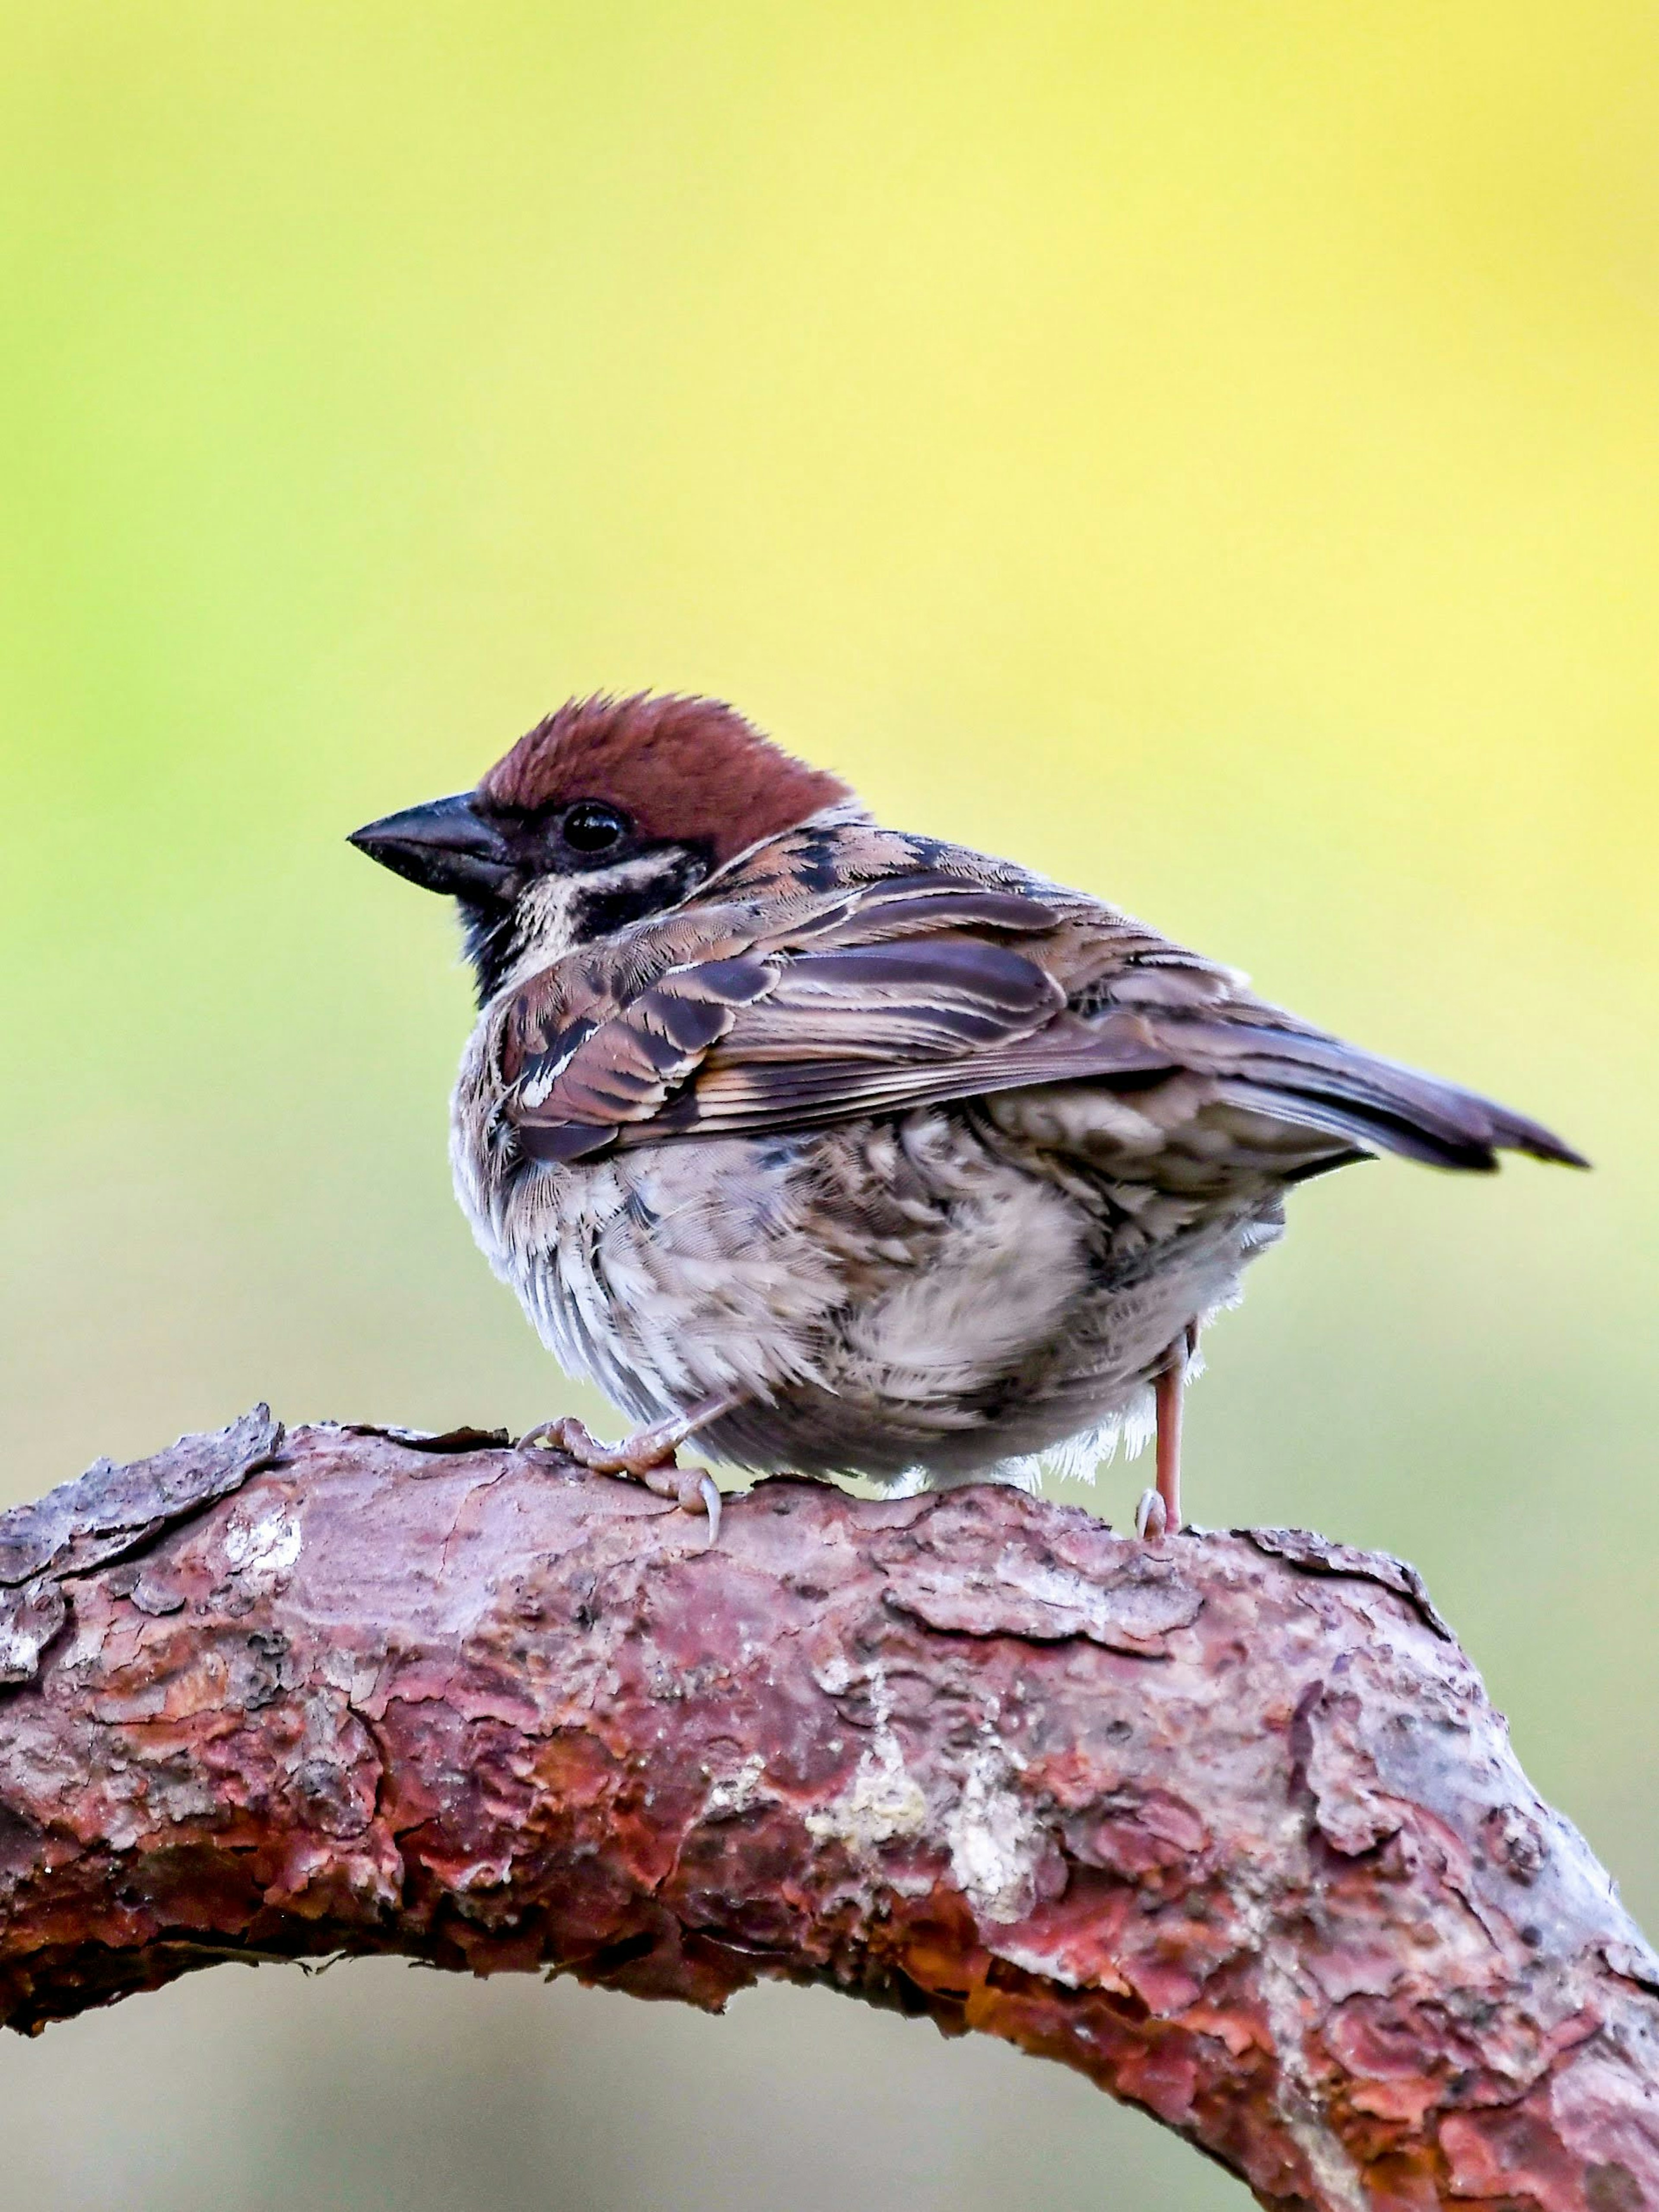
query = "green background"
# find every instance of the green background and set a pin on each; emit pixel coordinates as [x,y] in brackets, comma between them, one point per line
[1211,451]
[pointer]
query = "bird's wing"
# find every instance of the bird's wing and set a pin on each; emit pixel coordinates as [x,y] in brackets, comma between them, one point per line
[764,1015]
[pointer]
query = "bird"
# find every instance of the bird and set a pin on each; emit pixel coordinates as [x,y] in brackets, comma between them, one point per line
[849,1150]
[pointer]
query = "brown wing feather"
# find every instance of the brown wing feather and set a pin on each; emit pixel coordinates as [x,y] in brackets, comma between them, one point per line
[861,993]
[780,1010]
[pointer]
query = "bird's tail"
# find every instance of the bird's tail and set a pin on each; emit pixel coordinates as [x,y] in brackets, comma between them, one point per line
[1375,1104]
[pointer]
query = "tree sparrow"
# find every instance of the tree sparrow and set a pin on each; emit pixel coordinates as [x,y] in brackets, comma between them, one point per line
[850,1150]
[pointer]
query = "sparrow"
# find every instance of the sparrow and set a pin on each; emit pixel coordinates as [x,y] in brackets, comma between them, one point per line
[848,1149]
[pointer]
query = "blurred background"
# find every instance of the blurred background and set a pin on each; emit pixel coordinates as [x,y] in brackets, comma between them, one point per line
[1210,452]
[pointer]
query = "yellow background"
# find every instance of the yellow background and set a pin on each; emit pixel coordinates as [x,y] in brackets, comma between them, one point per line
[1210,452]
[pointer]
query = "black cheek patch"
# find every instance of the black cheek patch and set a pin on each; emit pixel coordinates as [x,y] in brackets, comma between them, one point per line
[602,911]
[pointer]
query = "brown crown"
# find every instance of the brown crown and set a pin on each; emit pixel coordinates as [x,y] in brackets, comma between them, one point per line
[691,770]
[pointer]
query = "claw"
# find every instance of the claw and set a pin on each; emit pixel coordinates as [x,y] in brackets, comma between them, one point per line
[1152,1517]
[698,1492]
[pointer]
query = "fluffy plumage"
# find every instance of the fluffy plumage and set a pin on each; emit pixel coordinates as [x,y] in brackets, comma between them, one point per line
[904,1158]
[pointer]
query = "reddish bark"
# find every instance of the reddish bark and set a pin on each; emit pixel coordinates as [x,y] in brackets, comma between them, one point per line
[1226,1822]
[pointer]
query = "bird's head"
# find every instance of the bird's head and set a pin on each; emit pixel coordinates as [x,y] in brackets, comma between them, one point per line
[606,811]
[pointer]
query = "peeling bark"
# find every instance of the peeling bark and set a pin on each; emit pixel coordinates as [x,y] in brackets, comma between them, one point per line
[1226,1823]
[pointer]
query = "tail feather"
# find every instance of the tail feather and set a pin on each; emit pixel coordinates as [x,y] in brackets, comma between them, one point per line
[1377,1104]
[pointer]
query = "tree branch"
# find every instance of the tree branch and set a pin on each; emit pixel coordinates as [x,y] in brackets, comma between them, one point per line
[1226,1823]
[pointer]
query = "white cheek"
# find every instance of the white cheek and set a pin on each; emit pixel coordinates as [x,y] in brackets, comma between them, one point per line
[544,927]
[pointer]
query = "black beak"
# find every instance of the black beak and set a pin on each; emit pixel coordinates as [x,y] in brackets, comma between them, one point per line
[447,846]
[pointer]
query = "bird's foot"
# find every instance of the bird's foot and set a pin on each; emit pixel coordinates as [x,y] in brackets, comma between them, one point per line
[1152,1517]
[647,1453]
[648,1457]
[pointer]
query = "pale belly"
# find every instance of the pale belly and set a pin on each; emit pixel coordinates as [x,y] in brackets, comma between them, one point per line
[885,1297]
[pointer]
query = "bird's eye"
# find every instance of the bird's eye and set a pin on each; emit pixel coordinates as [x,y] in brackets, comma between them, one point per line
[591,826]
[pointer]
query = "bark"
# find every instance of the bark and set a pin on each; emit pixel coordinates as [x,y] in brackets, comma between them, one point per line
[1226,1822]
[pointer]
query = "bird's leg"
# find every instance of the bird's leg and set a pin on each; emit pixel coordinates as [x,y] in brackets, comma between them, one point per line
[1171,1392]
[648,1456]
[1159,1511]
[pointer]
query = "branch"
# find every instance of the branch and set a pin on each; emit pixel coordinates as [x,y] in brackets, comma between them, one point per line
[1226,1823]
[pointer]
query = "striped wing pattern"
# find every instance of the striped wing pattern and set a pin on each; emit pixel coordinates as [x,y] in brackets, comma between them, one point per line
[776,1006]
